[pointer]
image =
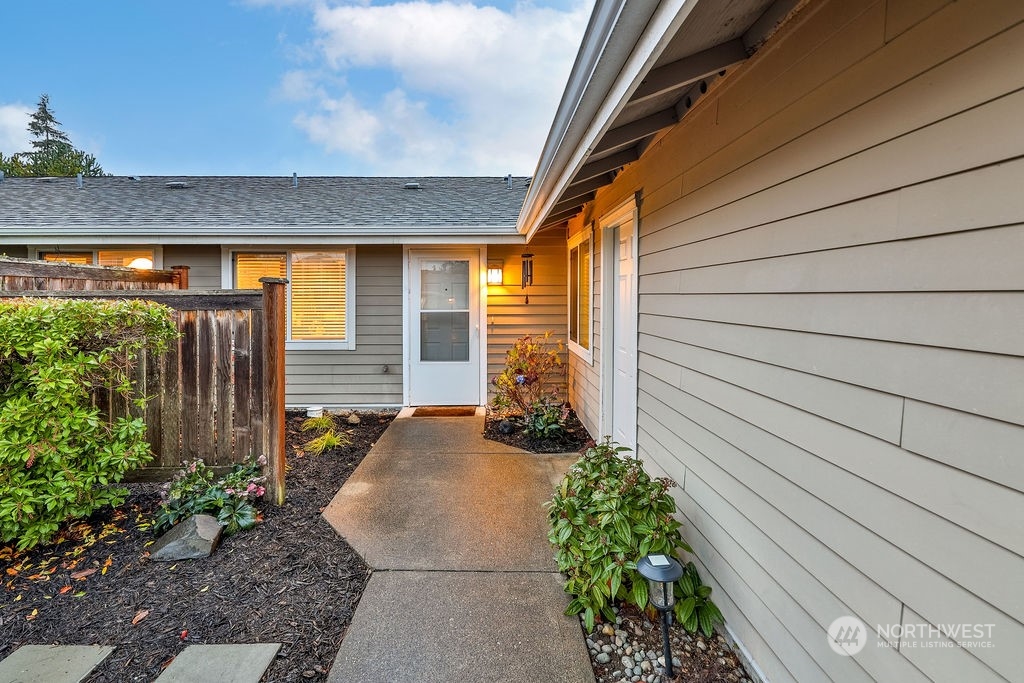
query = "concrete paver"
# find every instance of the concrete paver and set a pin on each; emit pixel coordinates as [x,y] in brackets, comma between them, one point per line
[221,663]
[462,626]
[465,586]
[442,510]
[52,663]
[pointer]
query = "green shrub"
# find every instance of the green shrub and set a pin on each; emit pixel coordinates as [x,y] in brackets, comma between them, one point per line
[606,514]
[531,384]
[195,491]
[59,456]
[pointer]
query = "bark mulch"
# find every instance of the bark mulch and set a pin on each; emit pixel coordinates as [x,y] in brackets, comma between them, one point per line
[290,580]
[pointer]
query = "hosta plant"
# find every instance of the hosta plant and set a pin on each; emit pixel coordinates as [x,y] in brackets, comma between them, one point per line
[606,514]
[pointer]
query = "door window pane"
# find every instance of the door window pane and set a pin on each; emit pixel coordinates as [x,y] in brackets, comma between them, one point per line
[444,336]
[444,285]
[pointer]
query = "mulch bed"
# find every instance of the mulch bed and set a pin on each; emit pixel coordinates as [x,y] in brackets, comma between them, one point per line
[290,580]
[507,428]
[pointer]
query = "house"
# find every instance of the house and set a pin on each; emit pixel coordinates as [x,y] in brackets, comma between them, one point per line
[785,242]
[376,266]
[796,277]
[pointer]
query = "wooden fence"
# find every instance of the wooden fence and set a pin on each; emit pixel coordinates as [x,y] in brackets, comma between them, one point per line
[17,275]
[218,393]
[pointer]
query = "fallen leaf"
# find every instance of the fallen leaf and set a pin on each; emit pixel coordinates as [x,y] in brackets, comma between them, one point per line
[12,572]
[166,663]
[84,573]
[65,589]
[184,634]
[204,589]
[142,614]
[80,594]
[32,616]
[20,596]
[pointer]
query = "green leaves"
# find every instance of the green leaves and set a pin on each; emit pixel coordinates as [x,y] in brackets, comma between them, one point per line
[59,455]
[605,515]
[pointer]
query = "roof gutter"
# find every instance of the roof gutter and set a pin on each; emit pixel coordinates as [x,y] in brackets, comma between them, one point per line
[618,49]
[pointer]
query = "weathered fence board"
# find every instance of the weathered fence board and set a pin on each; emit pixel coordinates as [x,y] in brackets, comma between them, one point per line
[18,275]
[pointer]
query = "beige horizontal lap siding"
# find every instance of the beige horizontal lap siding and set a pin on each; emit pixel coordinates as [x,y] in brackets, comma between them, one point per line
[509,317]
[203,261]
[831,344]
[371,374]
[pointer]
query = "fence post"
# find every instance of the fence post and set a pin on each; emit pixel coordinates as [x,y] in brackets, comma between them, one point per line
[180,276]
[274,330]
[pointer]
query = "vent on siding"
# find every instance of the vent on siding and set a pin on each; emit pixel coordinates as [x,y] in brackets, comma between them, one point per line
[176,185]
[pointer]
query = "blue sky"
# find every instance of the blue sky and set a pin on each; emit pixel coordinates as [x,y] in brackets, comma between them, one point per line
[268,87]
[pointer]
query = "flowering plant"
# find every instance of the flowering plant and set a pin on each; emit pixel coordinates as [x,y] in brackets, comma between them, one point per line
[531,384]
[194,491]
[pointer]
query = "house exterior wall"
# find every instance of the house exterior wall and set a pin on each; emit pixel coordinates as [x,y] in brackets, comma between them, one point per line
[203,261]
[358,377]
[14,251]
[508,315]
[831,340]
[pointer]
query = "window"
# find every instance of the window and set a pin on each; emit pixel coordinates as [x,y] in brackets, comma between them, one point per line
[580,288]
[319,292]
[142,259]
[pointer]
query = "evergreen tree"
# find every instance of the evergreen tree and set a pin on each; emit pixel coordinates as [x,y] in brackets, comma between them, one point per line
[52,152]
[45,128]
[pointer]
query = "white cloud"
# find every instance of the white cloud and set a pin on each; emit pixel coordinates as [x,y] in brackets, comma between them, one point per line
[14,135]
[478,86]
[299,85]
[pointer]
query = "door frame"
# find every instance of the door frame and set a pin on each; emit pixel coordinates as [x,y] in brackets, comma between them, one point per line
[442,251]
[626,211]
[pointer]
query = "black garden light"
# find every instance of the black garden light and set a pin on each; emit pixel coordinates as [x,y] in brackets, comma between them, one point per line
[662,572]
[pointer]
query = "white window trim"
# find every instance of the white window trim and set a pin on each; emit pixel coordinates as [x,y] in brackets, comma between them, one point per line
[349,343]
[34,250]
[586,354]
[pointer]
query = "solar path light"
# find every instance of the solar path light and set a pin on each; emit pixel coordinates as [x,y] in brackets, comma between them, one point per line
[662,572]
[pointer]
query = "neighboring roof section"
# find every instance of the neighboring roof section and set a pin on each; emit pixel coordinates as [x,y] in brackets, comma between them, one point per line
[642,66]
[206,207]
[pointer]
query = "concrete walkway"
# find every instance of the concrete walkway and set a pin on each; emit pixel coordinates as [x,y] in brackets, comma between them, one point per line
[464,584]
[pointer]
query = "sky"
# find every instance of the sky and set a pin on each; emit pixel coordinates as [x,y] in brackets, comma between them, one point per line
[272,87]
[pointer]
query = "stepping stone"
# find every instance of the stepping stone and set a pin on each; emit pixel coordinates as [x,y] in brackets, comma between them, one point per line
[52,663]
[221,663]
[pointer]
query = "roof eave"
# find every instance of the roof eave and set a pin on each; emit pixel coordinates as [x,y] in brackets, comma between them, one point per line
[613,59]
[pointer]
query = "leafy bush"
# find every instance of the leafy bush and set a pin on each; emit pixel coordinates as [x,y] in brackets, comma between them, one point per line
[59,456]
[195,491]
[531,384]
[606,514]
[546,420]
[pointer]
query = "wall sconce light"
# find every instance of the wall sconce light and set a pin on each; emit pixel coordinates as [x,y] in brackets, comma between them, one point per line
[495,271]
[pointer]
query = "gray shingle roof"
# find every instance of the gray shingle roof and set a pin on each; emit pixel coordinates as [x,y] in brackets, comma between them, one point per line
[260,205]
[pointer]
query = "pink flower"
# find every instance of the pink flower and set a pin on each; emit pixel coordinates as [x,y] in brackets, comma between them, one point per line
[260,491]
[230,492]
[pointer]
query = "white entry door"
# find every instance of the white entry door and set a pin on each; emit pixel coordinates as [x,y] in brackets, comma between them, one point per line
[444,328]
[624,333]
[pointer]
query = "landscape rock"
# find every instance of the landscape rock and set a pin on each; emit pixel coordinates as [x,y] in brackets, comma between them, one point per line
[192,538]
[506,427]
[353,419]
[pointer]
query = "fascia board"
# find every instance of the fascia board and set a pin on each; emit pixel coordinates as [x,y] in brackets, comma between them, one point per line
[605,92]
